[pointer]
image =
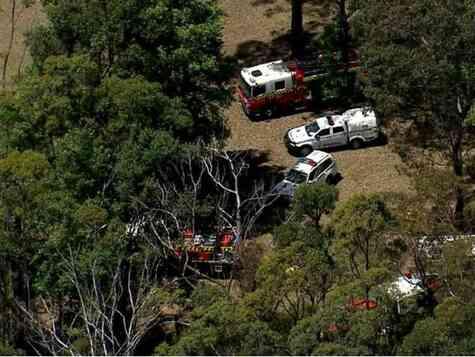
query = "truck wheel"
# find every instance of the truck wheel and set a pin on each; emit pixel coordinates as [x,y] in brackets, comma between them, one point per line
[268,113]
[251,115]
[297,106]
[304,151]
[356,143]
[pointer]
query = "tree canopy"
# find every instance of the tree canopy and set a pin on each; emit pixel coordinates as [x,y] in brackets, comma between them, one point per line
[112,147]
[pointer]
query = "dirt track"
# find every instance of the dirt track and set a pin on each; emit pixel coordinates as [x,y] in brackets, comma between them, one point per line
[254,32]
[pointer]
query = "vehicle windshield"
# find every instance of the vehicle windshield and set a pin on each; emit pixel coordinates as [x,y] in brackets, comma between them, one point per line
[245,87]
[312,128]
[296,176]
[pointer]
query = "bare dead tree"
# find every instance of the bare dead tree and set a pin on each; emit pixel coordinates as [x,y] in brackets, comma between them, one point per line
[210,178]
[235,206]
[99,316]
[190,172]
[226,170]
[160,227]
[236,167]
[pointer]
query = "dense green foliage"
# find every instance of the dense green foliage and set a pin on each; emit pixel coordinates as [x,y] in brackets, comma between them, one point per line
[304,299]
[117,92]
[111,144]
[421,70]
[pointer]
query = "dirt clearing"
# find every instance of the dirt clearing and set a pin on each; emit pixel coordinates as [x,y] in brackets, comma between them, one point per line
[255,32]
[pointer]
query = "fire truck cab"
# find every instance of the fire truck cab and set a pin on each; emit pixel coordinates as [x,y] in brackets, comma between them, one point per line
[214,252]
[272,87]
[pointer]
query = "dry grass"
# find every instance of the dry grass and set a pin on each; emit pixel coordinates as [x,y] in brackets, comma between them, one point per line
[260,26]
[25,19]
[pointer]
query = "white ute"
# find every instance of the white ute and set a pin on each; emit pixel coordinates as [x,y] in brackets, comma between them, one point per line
[317,167]
[355,127]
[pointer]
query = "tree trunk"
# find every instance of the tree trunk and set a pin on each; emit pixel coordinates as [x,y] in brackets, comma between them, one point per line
[297,40]
[457,166]
[344,30]
[344,42]
[10,44]
[8,298]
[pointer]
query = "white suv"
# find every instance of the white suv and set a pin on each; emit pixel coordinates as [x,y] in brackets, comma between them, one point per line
[317,167]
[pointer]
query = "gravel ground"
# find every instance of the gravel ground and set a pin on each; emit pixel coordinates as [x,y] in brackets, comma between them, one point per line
[254,32]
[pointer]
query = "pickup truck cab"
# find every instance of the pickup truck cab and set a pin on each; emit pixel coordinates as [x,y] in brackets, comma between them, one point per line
[354,127]
[317,167]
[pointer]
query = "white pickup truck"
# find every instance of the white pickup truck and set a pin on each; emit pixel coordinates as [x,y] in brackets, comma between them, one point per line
[354,127]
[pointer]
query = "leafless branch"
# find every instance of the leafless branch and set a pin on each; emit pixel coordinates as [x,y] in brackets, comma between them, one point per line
[99,314]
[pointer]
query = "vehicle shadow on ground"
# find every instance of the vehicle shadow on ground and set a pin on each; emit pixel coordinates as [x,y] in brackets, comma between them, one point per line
[305,116]
[382,141]
[308,115]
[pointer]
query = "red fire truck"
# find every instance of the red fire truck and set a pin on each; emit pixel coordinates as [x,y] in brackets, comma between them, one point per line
[209,253]
[279,86]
